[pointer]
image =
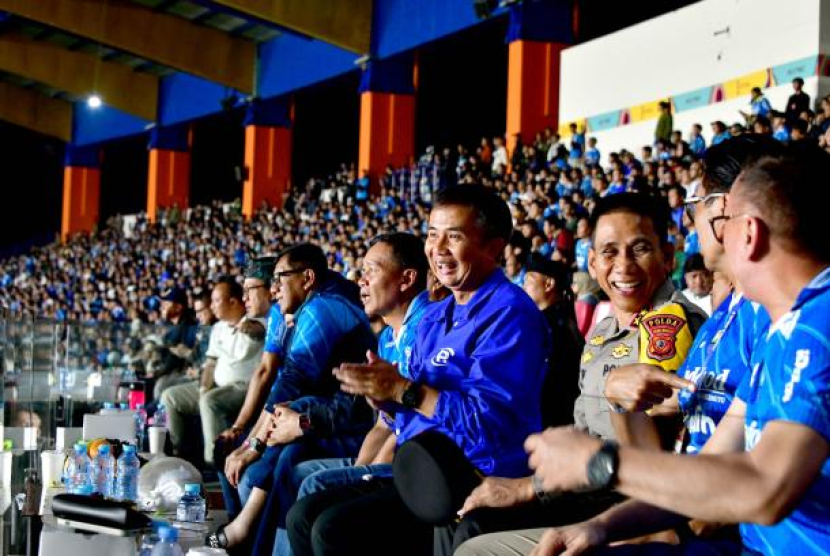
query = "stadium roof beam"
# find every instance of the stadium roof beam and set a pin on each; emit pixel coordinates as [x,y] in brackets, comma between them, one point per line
[80,74]
[345,23]
[163,38]
[37,112]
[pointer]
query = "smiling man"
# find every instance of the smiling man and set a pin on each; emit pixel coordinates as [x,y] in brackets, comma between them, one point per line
[631,260]
[475,375]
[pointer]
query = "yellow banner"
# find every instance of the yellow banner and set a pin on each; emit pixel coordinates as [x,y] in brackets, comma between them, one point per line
[565,127]
[646,111]
[743,85]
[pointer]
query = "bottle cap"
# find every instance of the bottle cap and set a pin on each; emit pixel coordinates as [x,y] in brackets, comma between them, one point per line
[129,449]
[168,533]
[109,405]
[104,449]
[192,488]
[80,448]
[124,405]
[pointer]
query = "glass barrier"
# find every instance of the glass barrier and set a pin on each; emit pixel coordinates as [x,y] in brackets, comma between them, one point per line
[55,372]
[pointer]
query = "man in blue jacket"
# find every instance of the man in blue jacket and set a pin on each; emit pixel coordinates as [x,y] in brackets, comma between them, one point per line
[476,371]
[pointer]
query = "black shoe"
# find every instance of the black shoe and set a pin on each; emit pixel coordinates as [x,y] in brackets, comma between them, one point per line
[217,539]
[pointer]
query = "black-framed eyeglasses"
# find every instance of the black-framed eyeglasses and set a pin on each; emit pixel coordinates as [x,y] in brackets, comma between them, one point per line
[718,235]
[278,276]
[247,291]
[691,202]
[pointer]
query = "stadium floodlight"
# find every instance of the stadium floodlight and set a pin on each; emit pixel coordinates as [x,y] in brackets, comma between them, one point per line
[94,101]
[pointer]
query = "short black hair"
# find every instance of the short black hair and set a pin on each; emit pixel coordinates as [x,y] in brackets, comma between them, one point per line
[788,193]
[492,213]
[408,252]
[723,162]
[234,287]
[694,263]
[639,204]
[307,255]
[799,81]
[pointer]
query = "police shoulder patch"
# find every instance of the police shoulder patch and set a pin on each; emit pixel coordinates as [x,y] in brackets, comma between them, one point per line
[662,330]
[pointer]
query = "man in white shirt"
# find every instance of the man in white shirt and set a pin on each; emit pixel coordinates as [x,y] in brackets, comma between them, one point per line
[698,283]
[233,354]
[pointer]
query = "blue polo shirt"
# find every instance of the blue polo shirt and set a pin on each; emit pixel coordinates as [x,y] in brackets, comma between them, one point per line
[488,360]
[717,363]
[790,381]
[583,247]
[275,331]
[400,350]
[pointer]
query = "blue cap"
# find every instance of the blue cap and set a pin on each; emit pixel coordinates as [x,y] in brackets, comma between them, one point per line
[168,533]
[104,449]
[80,448]
[124,405]
[109,405]
[129,449]
[192,488]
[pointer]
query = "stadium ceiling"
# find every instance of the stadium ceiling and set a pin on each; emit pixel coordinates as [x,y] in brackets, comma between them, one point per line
[66,50]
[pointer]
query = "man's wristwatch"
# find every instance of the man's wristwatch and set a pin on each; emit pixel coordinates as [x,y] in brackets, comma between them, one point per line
[412,396]
[603,465]
[256,445]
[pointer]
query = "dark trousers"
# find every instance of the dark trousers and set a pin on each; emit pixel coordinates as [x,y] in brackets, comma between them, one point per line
[366,519]
[562,510]
[283,486]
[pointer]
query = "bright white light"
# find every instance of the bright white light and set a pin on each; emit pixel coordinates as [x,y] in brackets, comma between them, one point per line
[94,101]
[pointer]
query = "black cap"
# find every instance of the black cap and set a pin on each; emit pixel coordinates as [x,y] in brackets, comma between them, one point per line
[174,295]
[536,262]
[261,268]
[433,477]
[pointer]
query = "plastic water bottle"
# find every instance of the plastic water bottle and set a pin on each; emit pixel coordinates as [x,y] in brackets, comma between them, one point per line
[123,406]
[126,479]
[79,478]
[168,544]
[151,539]
[191,505]
[103,472]
[160,418]
[140,423]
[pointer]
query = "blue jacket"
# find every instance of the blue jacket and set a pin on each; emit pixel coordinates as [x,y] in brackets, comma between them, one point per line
[488,360]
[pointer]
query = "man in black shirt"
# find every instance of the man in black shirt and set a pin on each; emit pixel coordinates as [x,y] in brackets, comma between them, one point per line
[546,282]
[799,101]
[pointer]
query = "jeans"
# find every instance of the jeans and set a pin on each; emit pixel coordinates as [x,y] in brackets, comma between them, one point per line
[282,487]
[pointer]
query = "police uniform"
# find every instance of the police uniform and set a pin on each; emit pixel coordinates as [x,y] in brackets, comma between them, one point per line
[661,335]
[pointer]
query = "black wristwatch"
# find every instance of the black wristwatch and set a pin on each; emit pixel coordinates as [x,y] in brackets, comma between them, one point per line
[603,465]
[256,445]
[412,396]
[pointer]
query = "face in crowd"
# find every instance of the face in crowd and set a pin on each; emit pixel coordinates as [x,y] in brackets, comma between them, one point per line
[628,260]
[256,296]
[382,280]
[459,253]
[292,284]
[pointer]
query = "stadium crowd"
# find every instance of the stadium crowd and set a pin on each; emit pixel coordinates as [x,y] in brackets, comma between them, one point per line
[426,439]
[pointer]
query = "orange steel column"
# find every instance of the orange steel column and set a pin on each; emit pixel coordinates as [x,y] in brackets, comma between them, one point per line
[532,88]
[268,143]
[168,173]
[81,193]
[268,167]
[387,131]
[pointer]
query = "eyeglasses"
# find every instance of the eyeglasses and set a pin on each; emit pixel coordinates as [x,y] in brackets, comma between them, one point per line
[278,276]
[717,231]
[691,202]
[247,291]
